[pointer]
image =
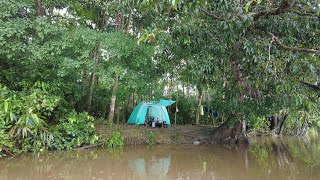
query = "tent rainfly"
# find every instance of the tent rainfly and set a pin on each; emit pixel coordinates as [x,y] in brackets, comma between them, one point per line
[156,110]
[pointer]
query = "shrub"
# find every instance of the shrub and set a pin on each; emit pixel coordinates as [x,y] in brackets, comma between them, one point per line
[74,131]
[150,137]
[5,142]
[116,139]
[22,117]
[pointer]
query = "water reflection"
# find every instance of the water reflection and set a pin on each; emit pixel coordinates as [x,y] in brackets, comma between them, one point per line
[156,167]
[265,158]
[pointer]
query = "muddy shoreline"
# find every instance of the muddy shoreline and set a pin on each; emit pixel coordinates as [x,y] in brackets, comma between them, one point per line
[179,134]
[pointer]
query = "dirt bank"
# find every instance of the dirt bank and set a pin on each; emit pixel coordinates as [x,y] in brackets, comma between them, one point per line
[180,134]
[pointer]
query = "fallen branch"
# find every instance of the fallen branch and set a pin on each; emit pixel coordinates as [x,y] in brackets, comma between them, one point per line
[292,49]
[8,151]
[88,147]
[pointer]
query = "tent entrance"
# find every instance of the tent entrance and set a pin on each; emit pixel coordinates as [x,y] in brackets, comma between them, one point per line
[155,113]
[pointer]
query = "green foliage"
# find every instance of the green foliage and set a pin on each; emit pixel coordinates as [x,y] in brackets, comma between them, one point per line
[49,64]
[76,130]
[5,140]
[116,139]
[150,137]
[186,109]
[24,122]
[22,117]
[255,123]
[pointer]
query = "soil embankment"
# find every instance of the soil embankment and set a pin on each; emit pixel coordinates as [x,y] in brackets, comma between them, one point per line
[180,134]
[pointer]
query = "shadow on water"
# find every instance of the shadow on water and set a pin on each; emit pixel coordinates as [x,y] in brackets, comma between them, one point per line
[265,158]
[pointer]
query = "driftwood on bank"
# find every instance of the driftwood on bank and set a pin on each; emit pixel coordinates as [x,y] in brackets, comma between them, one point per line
[89,146]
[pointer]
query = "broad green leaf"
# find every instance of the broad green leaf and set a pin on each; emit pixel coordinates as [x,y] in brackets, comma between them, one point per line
[6,106]
[248,5]
[174,3]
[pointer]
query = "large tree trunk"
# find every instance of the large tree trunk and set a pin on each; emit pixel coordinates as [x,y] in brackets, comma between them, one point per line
[229,135]
[237,134]
[198,106]
[95,56]
[275,120]
[39,8]
[113,98]
[282,125]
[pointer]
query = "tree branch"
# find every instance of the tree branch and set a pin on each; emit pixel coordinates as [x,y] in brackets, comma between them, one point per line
[305,13]
[256,15]
[313,86]
[292,49]
[284,5]
[213,15]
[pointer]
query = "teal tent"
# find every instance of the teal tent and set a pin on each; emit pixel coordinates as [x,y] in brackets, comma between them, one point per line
[156,110]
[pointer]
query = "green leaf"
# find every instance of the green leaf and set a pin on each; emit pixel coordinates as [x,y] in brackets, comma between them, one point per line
[185,40]
[6,106]
[174,4]
[248,5]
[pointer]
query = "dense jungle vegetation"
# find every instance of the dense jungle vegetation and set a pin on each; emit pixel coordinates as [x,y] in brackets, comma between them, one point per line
[66,65]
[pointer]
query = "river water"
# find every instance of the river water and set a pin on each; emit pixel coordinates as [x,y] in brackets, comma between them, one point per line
[266,158]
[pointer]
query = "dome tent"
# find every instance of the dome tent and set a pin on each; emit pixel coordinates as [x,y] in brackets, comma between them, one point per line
[156,110]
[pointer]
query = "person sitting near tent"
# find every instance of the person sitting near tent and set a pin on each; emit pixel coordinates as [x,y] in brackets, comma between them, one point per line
[164,124]
[158,123]
[151,119]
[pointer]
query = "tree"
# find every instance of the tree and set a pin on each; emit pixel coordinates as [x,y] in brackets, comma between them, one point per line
[253,72]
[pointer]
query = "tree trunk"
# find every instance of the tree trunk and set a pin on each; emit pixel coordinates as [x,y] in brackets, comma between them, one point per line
[207,104]
[176,111]
[169,81]
[127,108]
[282,125]
[237,134]
[228,135]
[188,82]
[275,120]
[39,8]
[133,100]
[113,98]
[129,20]
[183,89]
[188,89]
[198,106]
[95,56]
[117,115]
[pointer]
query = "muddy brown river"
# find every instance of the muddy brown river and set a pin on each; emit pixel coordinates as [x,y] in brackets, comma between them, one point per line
[266,158]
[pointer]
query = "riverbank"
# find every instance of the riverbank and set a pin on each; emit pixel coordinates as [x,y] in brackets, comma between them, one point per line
[179,134]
